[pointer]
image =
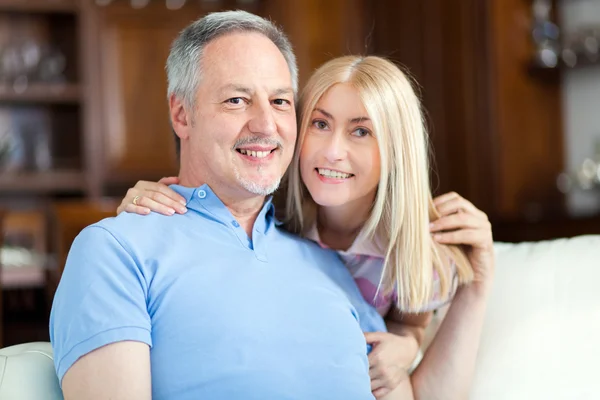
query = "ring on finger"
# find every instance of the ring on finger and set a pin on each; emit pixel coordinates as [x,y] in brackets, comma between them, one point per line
[135,200]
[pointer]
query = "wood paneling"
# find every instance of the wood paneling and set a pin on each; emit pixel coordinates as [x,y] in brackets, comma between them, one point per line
[495,129]
[443,46]
[322,29]
[134,44]
[528,116]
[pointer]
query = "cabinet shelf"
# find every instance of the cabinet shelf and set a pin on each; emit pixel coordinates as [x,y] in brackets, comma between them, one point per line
[23,277]
[42,93]
[39,182]
[47,6]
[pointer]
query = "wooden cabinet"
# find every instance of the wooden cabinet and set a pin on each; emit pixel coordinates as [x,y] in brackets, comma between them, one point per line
[41,100]
[42,107]
[130,48]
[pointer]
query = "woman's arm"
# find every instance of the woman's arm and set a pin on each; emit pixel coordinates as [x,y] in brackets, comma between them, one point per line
[447,369]
[408,324]
[403,391]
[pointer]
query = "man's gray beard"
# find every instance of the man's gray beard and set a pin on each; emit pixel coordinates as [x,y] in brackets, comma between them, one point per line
[255,188]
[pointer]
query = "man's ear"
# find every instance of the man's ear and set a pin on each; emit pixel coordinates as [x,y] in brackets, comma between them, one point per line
[181,117]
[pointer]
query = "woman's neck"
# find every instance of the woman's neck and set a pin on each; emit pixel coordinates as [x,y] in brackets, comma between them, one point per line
[339,226]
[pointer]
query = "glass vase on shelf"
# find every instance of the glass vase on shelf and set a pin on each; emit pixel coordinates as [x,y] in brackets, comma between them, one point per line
[545,34]
[587,175]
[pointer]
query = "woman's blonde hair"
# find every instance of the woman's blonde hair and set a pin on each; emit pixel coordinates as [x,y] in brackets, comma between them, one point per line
[403,207]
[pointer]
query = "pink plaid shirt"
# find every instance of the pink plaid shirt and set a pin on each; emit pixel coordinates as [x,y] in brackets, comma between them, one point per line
[364,260]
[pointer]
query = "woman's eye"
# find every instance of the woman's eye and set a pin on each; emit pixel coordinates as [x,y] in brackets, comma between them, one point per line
[320,124]
[361,132]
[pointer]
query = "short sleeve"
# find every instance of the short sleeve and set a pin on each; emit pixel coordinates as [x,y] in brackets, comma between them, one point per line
[101,299]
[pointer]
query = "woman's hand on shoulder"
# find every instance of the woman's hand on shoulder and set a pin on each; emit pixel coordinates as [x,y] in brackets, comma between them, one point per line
[146,196]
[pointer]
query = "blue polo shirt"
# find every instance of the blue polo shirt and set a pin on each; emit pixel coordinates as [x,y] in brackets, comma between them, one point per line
[226,316]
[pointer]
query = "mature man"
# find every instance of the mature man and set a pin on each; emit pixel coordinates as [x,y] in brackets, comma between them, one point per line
[218,303]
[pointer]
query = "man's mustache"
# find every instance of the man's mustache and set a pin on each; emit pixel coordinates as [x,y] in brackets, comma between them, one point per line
[257,140]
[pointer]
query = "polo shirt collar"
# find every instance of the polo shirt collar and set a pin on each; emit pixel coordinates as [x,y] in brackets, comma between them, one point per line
[203,200]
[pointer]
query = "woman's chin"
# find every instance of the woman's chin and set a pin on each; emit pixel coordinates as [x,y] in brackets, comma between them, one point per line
[328,200]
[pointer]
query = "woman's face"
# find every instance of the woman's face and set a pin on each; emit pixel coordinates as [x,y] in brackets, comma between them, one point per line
[339,159]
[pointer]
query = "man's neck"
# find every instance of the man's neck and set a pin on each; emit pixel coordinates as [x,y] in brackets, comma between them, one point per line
[244,206]
[244,210]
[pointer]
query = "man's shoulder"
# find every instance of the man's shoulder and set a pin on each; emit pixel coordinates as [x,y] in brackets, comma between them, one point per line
[133,229]
[126,223]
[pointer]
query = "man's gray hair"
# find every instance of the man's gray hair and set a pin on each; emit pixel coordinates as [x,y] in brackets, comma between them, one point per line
[183,64]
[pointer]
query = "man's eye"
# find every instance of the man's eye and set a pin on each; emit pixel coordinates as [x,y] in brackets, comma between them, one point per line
[281,102]
[235,101]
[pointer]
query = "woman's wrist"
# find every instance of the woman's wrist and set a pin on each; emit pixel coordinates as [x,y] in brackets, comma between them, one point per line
[478,289]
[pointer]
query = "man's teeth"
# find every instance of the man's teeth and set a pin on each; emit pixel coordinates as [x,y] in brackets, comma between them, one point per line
[257,154]
[333,174]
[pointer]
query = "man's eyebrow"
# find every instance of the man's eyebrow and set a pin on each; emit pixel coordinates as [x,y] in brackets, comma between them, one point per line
[282,91]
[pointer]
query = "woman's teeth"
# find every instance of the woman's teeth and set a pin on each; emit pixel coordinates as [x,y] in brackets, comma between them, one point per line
[257,154]
[333,174]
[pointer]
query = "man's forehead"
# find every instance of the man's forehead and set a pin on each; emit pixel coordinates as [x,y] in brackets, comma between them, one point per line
[239,44]
[251,89]
[242,50]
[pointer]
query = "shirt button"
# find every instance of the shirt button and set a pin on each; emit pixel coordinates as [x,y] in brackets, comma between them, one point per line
[235,223]
[201,194]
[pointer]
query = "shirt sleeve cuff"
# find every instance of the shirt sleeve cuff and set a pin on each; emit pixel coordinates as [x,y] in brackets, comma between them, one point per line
[101,339]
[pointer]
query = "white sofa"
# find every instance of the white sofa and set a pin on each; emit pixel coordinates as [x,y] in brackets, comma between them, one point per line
[541,339]
[27,373]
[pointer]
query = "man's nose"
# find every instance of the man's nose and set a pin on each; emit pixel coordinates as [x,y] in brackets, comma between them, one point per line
[262,120]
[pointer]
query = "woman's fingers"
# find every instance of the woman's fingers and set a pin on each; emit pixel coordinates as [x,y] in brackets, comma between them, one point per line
[169,180]
[459,220]
[132,208]
[376,384]
[451,203]
[149,188]
[456,205]
[381,392]
[444,198]
[164,202]
[471,237]
[128,199]
[156,206]
[153,196]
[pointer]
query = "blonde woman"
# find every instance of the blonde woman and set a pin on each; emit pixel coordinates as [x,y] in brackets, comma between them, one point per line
[359,184]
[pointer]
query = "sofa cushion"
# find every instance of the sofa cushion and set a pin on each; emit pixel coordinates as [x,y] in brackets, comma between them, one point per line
[27,373]
[541,338]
